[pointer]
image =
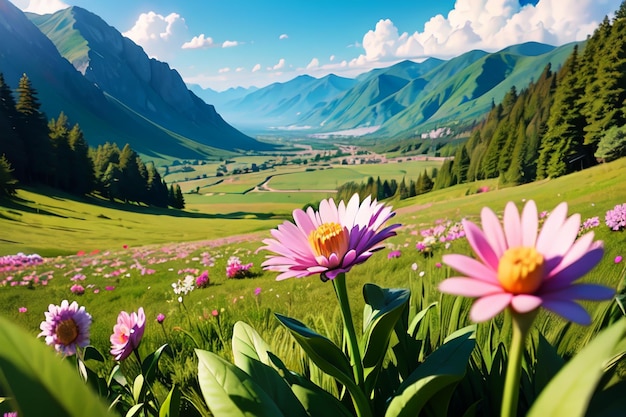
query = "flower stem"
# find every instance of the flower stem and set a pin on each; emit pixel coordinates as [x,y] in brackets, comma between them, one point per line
[521,327]
[353,346]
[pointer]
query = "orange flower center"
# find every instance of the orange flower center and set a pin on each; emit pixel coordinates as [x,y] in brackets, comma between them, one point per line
[67,332]
[521,270]
[329,238]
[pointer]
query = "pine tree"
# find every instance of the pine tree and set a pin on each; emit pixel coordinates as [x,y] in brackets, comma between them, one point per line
[8,184]
[62,158]
[33,130]
[461,165]
[11,144]
[83,177]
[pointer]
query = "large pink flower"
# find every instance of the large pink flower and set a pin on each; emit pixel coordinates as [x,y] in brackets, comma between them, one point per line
[127,333]
[522,268]
[329,241]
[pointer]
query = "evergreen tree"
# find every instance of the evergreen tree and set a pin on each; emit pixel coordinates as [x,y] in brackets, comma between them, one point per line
[111,182]
[444,176]
[8,184]
[82,179]
[564,138]
[62,158]
[461,165]
[403,192]
[11,144]
[612,145]
[33,130]
[132,183]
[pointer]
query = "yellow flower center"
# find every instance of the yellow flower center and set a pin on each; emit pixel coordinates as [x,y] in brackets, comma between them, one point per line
[67,332]
[520,270]
[329,238]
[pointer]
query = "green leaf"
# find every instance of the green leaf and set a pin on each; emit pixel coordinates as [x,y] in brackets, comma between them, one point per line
[138,388]
[315,400]
[230,392]
[92,353]
[570,391]
[321,350]
[134,410]
[444,367]
[171,404]
[251,355]
[249,344]
[150,364]
[383,308]
[31,370]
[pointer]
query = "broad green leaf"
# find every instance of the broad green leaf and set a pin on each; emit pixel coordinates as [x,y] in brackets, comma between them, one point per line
[570,391]
[134,410]
[171,404]
[138,388]
[31,370]
[444,367]
[229,391]
[383,308]
[247,342]
[91,353]
[321,350]
[315,400]
[150,364]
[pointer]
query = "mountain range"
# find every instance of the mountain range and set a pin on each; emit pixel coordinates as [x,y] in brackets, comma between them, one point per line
[400,101]
[107,84]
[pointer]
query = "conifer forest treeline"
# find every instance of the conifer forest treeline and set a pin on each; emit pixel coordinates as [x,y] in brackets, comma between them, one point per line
[34,150]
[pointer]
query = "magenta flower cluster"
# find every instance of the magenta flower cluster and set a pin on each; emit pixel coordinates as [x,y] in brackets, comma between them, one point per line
[20,260]
[202,280]
[236,269]
[589,224]
[616,218]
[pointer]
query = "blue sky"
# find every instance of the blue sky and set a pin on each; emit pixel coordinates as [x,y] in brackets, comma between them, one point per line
[221,44]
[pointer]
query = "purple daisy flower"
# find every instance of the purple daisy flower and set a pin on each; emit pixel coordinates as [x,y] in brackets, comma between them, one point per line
[521,268]
[66,327]
[329,241]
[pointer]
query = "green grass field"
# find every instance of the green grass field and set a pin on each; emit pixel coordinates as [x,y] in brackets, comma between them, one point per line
[132,255]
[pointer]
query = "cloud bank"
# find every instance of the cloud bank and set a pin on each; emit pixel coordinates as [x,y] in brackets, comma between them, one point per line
[489,25]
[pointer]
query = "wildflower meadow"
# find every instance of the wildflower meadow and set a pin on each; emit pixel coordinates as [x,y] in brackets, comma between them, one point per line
[348,309]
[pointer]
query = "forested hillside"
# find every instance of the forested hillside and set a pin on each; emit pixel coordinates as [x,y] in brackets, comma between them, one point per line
[34,150]
[568,119]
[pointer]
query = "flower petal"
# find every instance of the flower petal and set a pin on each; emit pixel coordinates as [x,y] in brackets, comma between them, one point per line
[470,267]
[512,226]
[592,292]
[524,303]
[569,310]
[573,271]
[488,307]
[493,230]
[468,287]
[530,224]
[480,244]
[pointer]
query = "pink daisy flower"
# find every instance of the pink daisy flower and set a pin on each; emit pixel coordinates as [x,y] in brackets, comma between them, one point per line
[127,333]
[523,268]
[66,327]
[329,241]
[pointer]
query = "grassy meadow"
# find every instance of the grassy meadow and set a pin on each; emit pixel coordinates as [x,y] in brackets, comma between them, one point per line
[128,257]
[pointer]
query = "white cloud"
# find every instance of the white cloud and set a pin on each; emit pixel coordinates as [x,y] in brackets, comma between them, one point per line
[43,6]
[489,25]
[283,36]
[280,65]
[198,42]
[332,58]
[223,70]
[239,69]
[160,36]
[256,68]
[229,44]
[313,64]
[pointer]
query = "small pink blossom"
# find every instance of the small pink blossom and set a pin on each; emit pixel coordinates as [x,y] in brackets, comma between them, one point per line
[160,318]
[77,289]
[22,309]
[618,259]
[127,333]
